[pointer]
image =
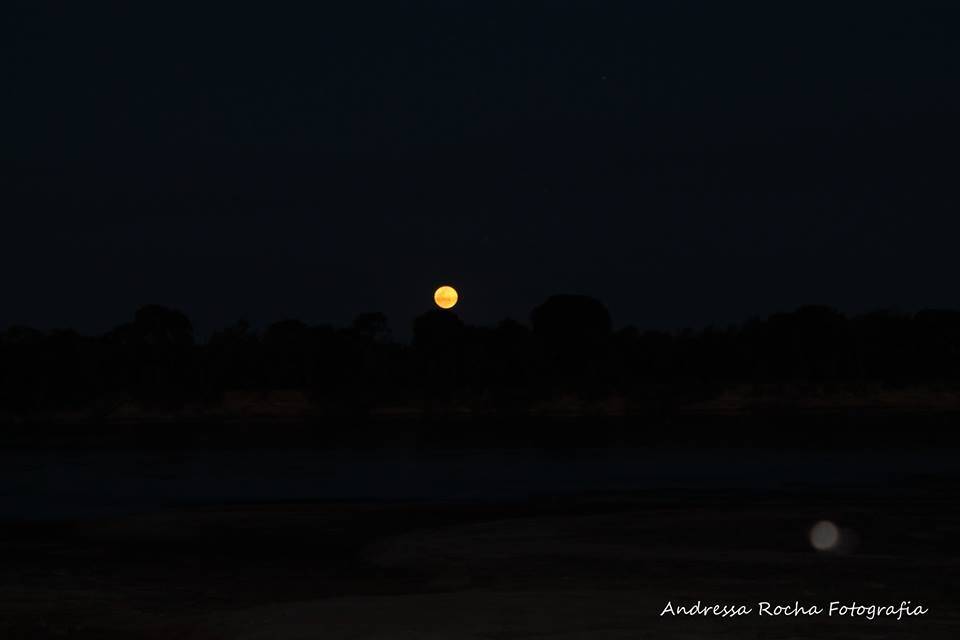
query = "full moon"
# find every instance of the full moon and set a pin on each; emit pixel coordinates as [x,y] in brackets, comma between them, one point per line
[445,297]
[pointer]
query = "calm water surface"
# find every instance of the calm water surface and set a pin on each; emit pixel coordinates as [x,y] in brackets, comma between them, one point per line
[78,483]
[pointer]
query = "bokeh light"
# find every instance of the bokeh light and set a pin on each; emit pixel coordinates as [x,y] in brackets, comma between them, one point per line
[824,536]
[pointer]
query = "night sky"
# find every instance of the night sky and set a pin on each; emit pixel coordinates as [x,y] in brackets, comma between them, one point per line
[686,162]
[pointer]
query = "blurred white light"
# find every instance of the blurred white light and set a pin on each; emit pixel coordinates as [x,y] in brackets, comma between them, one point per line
[824,536]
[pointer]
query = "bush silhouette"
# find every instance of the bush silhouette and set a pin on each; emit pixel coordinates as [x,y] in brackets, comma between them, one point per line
[569,348]
[573,332]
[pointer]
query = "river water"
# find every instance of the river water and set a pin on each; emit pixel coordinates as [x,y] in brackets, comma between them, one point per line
[70,483]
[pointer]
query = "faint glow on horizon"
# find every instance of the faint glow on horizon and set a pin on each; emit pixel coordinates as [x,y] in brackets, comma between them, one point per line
[445,297]
[824,536]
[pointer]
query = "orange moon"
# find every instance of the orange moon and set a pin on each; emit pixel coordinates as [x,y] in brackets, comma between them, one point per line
[445,297]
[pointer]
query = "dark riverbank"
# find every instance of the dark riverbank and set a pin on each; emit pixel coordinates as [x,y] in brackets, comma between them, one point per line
[379,529]
[597,568]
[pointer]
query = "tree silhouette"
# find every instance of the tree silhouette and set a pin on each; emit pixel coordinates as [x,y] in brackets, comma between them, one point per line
[372,326]
[569,349]
[574,333]
[438,338]
[152,356]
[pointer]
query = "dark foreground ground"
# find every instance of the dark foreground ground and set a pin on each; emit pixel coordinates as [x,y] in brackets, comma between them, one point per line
[593,567]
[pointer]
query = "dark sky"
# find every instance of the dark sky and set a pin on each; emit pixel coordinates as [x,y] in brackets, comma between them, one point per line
[686,162]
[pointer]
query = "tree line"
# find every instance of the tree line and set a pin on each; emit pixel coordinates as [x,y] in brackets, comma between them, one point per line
[569,346]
